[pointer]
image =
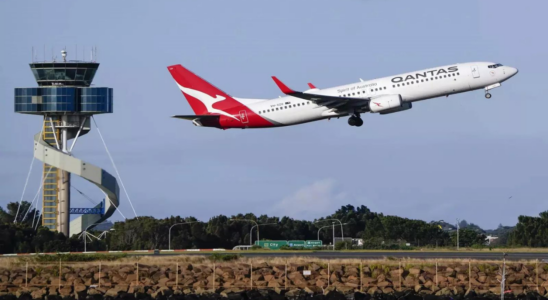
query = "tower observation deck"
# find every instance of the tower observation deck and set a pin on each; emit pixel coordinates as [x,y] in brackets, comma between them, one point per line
[66,102]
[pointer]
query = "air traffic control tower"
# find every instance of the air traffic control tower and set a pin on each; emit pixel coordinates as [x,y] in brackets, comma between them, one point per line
[66,103]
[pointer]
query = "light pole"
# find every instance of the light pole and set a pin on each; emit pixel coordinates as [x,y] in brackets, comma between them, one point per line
[251,232]
[342,232]
[321,229]
[333,235]
[85,234]
[169,234]
[104,233]
[326,227]
[458,226]
[247,220]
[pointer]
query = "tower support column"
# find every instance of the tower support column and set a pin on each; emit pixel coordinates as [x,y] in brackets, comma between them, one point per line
[64,184]
[64,203]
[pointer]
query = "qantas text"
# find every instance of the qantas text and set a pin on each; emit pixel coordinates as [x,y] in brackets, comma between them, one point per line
[424,74]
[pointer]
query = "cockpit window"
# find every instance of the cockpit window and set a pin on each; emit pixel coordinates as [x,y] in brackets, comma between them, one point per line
[494,66]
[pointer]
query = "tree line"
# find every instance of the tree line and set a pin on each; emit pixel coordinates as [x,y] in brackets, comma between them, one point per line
[378,231]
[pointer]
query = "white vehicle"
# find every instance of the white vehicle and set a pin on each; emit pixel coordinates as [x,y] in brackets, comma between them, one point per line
[215,108]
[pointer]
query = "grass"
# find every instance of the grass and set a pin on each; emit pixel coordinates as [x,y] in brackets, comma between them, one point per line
[220,259]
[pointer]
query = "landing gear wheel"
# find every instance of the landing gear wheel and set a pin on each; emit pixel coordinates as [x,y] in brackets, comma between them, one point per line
[352,121]
[355,121]
[488,95]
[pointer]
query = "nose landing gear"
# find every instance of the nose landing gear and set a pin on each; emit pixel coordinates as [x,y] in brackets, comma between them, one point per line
[490,87]
[355,120]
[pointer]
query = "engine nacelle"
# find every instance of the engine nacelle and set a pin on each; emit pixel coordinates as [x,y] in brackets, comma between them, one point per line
[404,106]
[385,103]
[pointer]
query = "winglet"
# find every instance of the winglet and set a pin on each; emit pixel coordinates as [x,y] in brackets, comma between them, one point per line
[311,85]
[282,86]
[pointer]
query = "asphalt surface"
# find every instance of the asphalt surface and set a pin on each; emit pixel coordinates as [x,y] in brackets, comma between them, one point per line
[380,255]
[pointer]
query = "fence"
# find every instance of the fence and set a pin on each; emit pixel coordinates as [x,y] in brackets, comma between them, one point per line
[383,276]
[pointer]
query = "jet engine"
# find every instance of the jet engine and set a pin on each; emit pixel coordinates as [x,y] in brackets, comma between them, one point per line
[388,104]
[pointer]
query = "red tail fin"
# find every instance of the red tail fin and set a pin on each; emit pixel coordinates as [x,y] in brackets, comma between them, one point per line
[200,94]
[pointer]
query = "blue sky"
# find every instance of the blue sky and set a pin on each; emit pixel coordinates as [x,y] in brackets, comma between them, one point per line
[461,156]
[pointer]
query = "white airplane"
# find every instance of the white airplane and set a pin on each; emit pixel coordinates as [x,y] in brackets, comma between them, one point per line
[215,108]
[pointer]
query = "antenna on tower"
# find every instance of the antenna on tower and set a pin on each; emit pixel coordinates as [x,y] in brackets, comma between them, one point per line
[76,58]
[32,58]
[64,54]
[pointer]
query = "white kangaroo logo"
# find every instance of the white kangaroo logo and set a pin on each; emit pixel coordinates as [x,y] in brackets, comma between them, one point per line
[207,100]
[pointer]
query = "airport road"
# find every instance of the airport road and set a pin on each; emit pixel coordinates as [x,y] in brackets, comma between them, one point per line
[382,254]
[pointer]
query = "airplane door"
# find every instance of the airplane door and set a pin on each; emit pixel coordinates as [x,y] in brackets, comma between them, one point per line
[475,72]
[243,116]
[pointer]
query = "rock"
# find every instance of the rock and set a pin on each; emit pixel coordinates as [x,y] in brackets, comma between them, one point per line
[113,292]
[444,292]
[415,271]
[95,291]
[269,277]
[293,293]
[163,281]
[38,294]
[64,291]
[352,285]
[314,267]
[373,290]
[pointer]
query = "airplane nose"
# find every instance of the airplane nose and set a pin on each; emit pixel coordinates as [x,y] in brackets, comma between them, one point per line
[512,71]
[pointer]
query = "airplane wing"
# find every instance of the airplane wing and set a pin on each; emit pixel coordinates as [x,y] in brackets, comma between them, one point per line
[340,103]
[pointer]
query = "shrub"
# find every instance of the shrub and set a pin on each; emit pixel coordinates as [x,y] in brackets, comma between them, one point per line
[223,257]
[73,257]
[343,245]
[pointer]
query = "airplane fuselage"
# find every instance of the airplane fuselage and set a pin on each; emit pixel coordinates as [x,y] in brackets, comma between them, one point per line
[413,86]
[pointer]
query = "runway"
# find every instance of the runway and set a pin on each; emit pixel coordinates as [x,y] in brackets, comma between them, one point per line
[395,254]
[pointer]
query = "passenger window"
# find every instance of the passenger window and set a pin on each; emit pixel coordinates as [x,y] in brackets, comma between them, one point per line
[398,84]
[385,88]
[422,80]
[372,90]
[393,86]
[458,73]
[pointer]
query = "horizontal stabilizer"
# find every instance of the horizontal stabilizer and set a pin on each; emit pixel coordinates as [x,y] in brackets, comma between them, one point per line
[194,117]
[202,120]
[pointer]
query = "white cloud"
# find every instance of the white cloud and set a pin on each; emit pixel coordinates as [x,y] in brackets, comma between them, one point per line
[316,200]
